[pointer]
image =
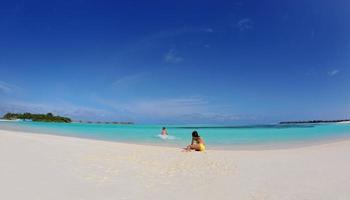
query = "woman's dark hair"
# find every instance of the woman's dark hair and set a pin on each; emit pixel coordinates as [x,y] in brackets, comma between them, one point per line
[195,134]
[163,128]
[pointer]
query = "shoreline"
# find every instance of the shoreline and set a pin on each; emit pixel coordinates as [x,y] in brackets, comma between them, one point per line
[245,147]
[251,148]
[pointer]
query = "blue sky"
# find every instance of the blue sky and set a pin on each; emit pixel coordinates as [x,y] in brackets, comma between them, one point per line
[176,61]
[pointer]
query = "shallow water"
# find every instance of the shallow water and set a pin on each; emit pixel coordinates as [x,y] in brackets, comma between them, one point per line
[180,135]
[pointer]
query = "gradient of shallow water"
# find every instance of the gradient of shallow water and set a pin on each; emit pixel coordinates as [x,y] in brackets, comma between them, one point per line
[215,136]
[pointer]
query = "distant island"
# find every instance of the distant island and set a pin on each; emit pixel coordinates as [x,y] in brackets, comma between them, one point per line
[49,117]
[315,121]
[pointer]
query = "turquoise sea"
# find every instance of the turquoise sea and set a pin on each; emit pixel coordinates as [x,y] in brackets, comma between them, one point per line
[226,137]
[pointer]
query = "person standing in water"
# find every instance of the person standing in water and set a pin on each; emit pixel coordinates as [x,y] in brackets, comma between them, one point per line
[164,132]
[197,143]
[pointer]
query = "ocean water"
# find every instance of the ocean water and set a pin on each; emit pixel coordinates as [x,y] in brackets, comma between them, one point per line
[225,137]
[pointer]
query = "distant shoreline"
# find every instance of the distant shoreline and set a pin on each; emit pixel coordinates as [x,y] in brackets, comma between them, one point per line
[100,122]
[78,122]
[316,121]
[48,117]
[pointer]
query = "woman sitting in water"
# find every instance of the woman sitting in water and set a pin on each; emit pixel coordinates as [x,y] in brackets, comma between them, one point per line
[164,132]
[197,143]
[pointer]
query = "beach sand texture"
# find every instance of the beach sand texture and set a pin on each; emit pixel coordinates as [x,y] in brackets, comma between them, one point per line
[41,167]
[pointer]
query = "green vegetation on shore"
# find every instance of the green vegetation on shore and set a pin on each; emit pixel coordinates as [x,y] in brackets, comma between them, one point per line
[49,117]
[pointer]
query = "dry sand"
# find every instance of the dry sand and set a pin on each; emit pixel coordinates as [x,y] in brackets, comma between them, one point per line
[47,167]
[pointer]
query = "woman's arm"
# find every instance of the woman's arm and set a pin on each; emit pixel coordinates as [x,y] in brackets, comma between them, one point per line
[202,141]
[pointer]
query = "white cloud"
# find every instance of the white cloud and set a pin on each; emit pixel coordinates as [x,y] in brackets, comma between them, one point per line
[245,24]
[333,72]
[7,88]
[172,57]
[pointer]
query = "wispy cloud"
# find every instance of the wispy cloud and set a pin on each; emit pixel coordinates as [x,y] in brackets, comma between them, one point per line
[245,24]
[12,13]
[129,80]
[208,30]
[333,72]
[189,109]
[214,117]
[206,46]
[7,88]
[162,107]
[312,34]
[172,57]
[177,32]
[150,40]
[168,106]
[237,5]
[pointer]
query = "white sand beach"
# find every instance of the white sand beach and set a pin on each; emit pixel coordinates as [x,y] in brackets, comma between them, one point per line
[9,120]
[42,167]
[344,122]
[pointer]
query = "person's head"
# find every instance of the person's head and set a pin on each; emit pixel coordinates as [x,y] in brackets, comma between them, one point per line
[163,128]
[195,134]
